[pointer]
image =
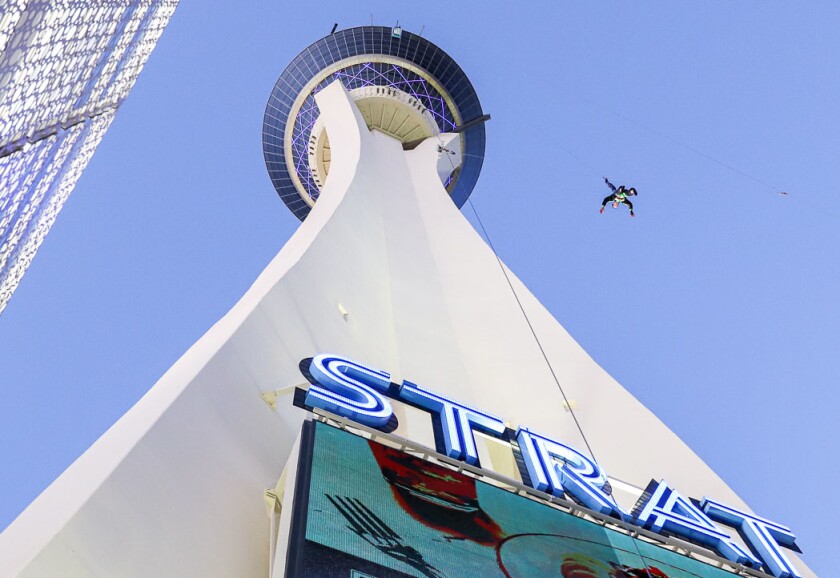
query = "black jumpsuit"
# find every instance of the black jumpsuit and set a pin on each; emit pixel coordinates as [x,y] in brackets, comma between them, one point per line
[619,195]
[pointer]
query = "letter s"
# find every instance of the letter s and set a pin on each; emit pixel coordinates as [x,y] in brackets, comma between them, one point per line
[349,389]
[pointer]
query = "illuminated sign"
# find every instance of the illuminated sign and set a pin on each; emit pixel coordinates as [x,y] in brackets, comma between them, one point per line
[361,394]
[365,509]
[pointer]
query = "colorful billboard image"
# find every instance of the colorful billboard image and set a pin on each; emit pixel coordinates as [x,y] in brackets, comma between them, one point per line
[377,512]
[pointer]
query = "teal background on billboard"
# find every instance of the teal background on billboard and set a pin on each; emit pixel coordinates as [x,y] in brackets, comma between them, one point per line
[420,519]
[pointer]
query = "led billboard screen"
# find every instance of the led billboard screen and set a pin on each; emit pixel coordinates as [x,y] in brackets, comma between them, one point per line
[377,512]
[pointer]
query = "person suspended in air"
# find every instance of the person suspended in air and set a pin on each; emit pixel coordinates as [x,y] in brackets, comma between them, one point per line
[619,196]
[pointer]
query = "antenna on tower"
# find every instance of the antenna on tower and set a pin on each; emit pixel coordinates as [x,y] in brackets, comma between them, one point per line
[422,28]
[333,28]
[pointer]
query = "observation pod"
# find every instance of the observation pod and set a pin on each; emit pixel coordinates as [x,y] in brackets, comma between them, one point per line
[209,474]
[404,86]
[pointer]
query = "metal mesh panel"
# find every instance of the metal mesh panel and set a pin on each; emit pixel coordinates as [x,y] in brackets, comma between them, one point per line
[370,43]
[41,202]
[9,16]
[65,67]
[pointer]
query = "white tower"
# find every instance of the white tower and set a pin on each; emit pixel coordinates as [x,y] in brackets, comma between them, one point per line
[384,270]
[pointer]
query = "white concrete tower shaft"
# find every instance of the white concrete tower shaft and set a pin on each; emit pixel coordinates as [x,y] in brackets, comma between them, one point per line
[384,270]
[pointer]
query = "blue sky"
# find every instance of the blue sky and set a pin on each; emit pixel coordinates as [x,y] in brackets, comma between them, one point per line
[716,306]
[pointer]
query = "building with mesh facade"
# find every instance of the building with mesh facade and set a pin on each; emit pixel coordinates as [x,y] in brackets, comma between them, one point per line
[65,68]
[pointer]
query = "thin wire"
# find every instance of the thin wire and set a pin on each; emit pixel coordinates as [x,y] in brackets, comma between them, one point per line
[522,309]
[531,327]
[566,401]
[578,159]
[568,405]
[683,145]
[774,189]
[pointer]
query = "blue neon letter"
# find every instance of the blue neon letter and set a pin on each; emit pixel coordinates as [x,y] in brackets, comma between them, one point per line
[454,422]
[349,389]
[666,511]
[554,467]
[762,535]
